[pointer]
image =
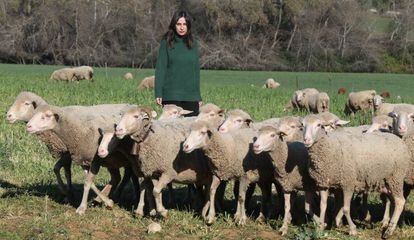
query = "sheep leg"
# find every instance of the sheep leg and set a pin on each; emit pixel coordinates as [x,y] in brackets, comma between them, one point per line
[221,189]
[399,202]
[63,162]
[68,174]
[347,196]
[170,202]
[339,207]
[140,208]
[386,217]
[115,179]
[308,205]
[215,182]
[86,187]
[162,182]
[323,204]
[287,216]
[266,193]
[125,179]
[365,212]
[240,216]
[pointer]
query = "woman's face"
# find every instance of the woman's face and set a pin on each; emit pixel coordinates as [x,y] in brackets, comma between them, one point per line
[181,26]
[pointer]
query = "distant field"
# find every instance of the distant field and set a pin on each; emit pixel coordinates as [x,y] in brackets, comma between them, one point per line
[31,206]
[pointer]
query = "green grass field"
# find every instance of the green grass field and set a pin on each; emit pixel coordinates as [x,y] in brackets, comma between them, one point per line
[31,206]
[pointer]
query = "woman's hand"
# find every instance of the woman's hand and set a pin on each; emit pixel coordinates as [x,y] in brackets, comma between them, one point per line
[158,100]
[200,103]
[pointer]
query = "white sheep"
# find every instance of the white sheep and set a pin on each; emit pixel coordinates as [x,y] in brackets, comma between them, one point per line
[230,157]
[346,162]
[300,99]
[64,74]
[237,119]
[381,108]
[78,130]
[171,111]
[83,72]
[271,83]
[147,83]
[290,161]
[128,76]
[362,100]
[317,103]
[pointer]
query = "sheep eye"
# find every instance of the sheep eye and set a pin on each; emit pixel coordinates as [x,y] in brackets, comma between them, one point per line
[211,114]
[43,118]
[136,116]
[175,112]
[292,126]
[26,103]
[239,120]
[272,135]
[318,125]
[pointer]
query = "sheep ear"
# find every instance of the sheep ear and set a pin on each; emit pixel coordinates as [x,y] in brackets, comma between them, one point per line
[56,117]
[411,115]
[341,122]
[101,131]
[185,112]
[393,114]
[221,112]
[248,122]
[209,133]
[34,104]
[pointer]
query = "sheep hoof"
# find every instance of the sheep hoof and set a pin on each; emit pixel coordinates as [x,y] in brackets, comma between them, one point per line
[109,204]
[210,220]
[261,219]
[139,212]
[242,221]
[283,230]
[321,226]
[352,231]
[367,218]
[164,213]
[387,233]
[81,210]
[384,224]
[338,223]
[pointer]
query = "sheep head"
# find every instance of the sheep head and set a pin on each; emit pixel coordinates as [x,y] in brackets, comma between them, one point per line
[402,122]
[23,107]
[199,137]
[45,118]
[288,126]
[171,111]
[381,123]
[236,119]
[134,119]
[266,138]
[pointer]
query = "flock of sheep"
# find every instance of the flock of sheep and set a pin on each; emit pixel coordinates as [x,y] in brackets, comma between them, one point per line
[314,154]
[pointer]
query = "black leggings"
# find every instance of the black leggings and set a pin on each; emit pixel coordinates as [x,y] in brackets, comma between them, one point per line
[187,105]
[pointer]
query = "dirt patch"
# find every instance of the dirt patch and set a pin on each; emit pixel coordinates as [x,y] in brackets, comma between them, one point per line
[269,235]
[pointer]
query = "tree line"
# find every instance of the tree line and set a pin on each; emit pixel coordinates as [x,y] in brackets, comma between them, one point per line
[288,35]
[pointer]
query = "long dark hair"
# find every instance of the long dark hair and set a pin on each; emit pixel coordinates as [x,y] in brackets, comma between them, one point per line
[171,33]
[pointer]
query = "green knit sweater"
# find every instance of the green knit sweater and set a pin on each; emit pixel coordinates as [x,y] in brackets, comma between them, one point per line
[177,73]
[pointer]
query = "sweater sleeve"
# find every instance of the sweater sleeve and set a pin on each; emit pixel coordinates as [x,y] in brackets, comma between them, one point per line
[161,68]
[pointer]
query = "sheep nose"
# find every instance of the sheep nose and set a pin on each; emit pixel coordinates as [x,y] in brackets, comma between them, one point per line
[402,128]
[256,146]
[102,152]
[29,127]
[185,147]
[222,129]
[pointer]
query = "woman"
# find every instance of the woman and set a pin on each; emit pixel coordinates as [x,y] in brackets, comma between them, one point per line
[177,73]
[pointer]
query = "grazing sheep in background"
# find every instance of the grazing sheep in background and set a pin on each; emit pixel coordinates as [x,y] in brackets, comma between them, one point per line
[342,90]
[147,83]
[77,127]
[128,76]
[381,108]
[299,99]
[345,163]
[230,157]
[317,103]
[385,94]
[64,74]
[290,161]
[83,72]
[171,111]
[270,83]
[362,100]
